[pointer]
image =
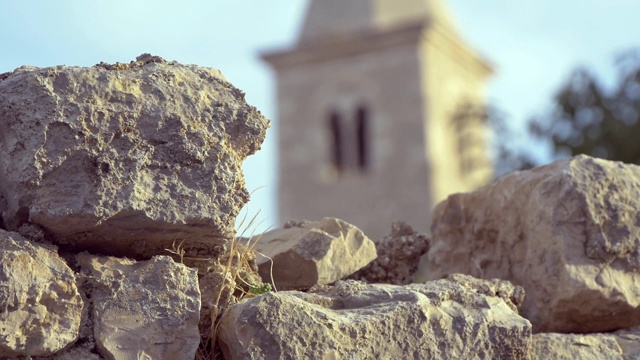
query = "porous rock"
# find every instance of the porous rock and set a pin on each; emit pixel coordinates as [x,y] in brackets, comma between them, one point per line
[398,256]
[312,253]
[125,158]
[567,232]
[40,306]
[146,309]
[445,319]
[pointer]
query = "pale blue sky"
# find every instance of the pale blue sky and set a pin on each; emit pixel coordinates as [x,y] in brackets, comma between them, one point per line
[534,44]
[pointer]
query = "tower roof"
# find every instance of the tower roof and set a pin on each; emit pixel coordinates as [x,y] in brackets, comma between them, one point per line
[329,18]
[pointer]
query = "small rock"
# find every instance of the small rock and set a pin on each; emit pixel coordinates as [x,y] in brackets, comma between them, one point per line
[310,253]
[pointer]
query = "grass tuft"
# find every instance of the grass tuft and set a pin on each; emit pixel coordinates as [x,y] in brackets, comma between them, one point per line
[235,277]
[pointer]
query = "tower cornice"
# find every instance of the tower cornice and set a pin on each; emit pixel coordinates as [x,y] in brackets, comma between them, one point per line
[367,41]
[344,46]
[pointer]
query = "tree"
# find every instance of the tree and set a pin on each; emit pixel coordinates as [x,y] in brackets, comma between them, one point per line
[587,118]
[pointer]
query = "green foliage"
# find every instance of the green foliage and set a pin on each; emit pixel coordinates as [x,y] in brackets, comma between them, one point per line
[585,117]
[260,289]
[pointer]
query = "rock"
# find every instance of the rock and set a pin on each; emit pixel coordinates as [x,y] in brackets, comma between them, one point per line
[444,319]
[40,306]
[75,353]
[398,256]
[629,342]
[147,309]
[513,296]
[571,346]
[567,232]
[127,158]
[310,253]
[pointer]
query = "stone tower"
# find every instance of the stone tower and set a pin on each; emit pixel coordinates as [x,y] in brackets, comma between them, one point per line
[371,114]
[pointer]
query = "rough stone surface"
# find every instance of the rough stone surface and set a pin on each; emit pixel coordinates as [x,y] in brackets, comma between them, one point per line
[125,157]
[398,256]
[311,253]
[147,309]
[618,345]
[446,319]
[40,306]
[629,342]
[571,347]
[567,232]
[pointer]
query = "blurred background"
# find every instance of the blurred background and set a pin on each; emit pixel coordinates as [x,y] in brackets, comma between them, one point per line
[566,79]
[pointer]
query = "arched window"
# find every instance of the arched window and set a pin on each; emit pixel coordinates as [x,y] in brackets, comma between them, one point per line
[362,130]
[337,152]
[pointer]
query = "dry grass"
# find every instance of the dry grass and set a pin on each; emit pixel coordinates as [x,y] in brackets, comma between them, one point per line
[236,277]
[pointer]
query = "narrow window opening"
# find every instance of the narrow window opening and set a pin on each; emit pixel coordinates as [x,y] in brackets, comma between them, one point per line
[336,137]
[362,128]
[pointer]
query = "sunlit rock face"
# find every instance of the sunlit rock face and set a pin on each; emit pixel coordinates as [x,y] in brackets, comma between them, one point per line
[567,232]
[454,318]
[125,158]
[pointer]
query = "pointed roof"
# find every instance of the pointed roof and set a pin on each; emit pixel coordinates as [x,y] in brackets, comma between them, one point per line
[328,18]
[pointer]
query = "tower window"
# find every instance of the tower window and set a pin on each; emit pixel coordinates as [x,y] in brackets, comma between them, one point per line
[362,130]
[337,154]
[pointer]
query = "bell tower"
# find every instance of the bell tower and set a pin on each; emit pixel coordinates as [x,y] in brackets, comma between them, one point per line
[369,114]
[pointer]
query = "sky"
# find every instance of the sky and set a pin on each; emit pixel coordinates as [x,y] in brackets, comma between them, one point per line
[533,44]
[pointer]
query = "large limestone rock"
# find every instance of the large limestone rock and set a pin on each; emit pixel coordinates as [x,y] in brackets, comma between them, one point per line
[40,306]
[147,309]
[455,318]
[312,253]
[125,157]
[567,232]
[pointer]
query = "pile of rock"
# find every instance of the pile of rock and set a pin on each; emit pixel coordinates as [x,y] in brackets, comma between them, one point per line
[115,160]
[566,235]
[106,171]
